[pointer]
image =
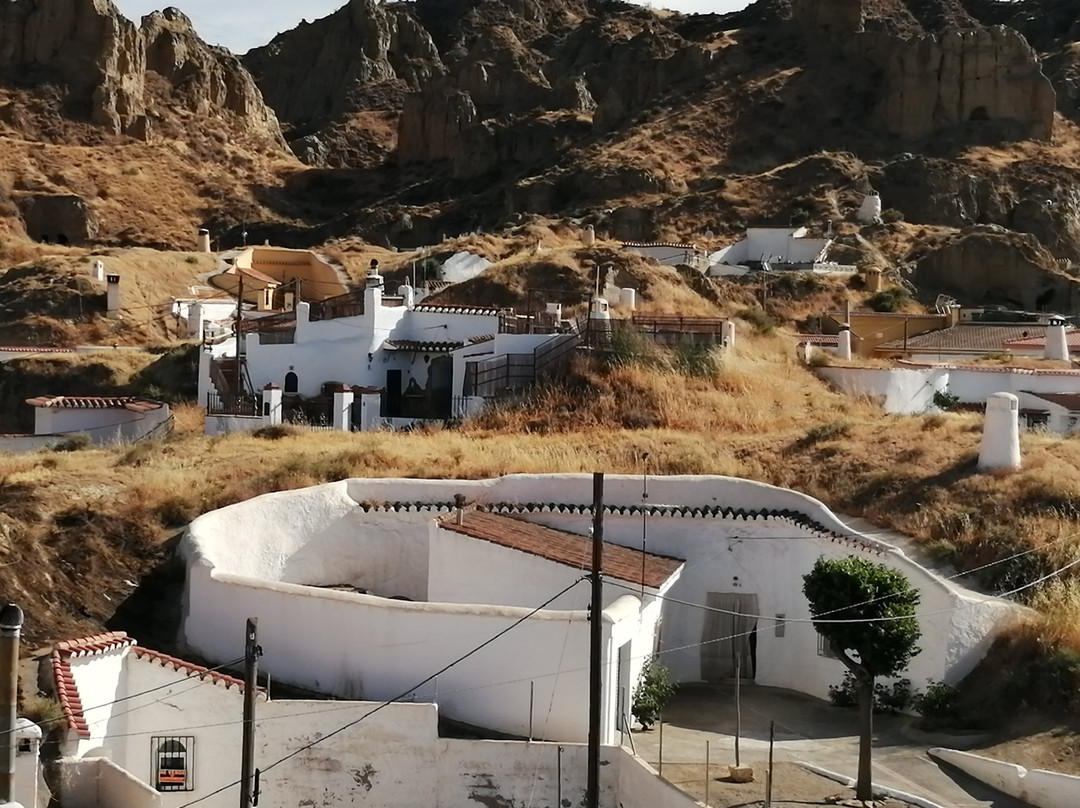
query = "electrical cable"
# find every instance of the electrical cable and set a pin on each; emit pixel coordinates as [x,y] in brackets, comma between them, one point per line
[405,693]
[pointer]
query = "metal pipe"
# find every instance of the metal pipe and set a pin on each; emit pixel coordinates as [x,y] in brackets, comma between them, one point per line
[706,774]
[11,620]
[596,626]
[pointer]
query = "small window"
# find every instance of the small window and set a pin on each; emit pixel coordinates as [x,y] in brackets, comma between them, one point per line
[823,648]
[781,625]
[292,382]
[173,758]
[25,746]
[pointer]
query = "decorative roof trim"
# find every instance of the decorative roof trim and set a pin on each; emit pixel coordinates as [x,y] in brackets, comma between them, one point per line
[131,403]
[793,517]
[435,308]
[68,691]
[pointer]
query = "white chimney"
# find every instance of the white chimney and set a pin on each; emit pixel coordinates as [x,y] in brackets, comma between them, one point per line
[406,292]
[628,298]
[112,295]
[204,240]
[843,346]
[97,272]
[590,236]
[1000,447]
[1057,343]
[728,334]
[870,209]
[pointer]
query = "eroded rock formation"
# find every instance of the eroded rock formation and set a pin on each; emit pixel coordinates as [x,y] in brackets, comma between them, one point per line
[103,59]
[978,74]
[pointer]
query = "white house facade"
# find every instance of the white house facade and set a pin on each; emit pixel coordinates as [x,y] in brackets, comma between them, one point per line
[365,588]
[415,357]
[148,730]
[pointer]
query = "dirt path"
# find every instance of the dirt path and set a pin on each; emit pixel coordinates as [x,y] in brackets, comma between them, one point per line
[806,730]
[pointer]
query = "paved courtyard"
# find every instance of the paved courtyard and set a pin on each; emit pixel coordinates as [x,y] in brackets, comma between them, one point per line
[807,730]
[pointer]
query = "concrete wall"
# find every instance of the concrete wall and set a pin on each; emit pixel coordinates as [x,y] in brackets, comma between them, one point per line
[910,390]
[229,580]
[372,754]
[96,782]
[24,444]
[107,425]
[904,391]
[1039,788]
[779,245]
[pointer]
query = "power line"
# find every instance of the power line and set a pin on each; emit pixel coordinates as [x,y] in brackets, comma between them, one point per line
[387,703]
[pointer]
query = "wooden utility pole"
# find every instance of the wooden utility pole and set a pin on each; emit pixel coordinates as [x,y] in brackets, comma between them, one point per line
[11,619]
[596,625]
[237,389]
[252,651]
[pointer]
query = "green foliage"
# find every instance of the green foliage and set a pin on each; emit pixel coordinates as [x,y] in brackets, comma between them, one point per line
[944,400]
[890,699]
[694,359]
[891,215]
[884,639]
[796,285]
[628,347]
[889,300]
[939,706]
[191,259]
[74,443]
[761,320]
[824,432]
[654,690]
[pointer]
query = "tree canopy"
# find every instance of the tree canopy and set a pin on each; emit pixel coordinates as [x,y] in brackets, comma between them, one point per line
[883,602]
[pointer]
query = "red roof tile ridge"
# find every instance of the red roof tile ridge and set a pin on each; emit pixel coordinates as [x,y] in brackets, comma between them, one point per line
[177,664]
[95,644]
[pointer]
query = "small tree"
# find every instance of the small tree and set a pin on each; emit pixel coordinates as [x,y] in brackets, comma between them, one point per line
[866,613]
[654,690]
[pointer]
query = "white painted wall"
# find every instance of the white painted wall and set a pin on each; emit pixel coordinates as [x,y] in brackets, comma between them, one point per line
[1062,420]
[96,782]
[909,391]
[415,639]
[904,391]
[778,245]
[99,693]
[106,425]
[463,266]
[1037,787]
[372,754]
[24,444]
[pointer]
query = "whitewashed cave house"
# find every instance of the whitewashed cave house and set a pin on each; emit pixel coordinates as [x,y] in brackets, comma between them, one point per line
[361,361]
[366,587]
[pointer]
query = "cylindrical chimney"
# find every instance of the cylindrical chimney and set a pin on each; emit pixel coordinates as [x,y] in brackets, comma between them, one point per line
[11,620]
[204,240]
[843,345]
[1057,343]
[1000,447]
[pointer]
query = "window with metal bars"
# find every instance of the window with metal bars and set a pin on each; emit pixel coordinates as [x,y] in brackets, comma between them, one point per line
[173,759]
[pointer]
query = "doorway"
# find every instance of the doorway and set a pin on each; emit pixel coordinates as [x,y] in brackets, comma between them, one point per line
[622,676]
[392,399]
[729,639]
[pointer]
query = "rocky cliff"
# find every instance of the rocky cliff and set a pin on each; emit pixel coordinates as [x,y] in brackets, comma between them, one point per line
[976,74]
[106,65]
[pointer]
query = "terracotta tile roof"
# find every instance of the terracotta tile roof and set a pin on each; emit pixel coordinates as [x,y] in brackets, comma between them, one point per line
[672,244]
[68,691]
[426,346]
[819,339]
[967,338]
[1070,401]
[434,308]
[895,315]
[991,369]
[561,547]
[96,403]
[189,668]
[1071,337]
[31,349]
[254,274]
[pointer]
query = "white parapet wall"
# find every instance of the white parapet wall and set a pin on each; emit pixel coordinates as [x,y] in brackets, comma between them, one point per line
[273,556]
[97,781]
[1036,787]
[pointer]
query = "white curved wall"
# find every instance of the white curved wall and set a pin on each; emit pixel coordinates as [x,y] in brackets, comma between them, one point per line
[253,559]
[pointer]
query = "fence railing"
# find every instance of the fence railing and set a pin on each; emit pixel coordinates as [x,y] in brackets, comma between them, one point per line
[350,304]
[232,405]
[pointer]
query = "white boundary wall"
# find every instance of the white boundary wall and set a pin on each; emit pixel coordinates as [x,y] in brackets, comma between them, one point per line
[910,390]
[1037,787]
[364,646]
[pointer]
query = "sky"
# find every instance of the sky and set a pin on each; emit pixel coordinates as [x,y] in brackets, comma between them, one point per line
[241,25]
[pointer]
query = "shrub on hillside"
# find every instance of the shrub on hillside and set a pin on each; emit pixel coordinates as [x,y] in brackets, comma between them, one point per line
[888,699]
[889,300]
[75,443]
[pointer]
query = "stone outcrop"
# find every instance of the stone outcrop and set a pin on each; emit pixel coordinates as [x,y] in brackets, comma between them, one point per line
[991,266]
[321,70]
[58,219]
[103,59]
[832,17]
[932,83]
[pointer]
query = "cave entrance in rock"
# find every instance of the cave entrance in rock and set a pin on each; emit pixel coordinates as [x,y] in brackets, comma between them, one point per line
[979,114]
